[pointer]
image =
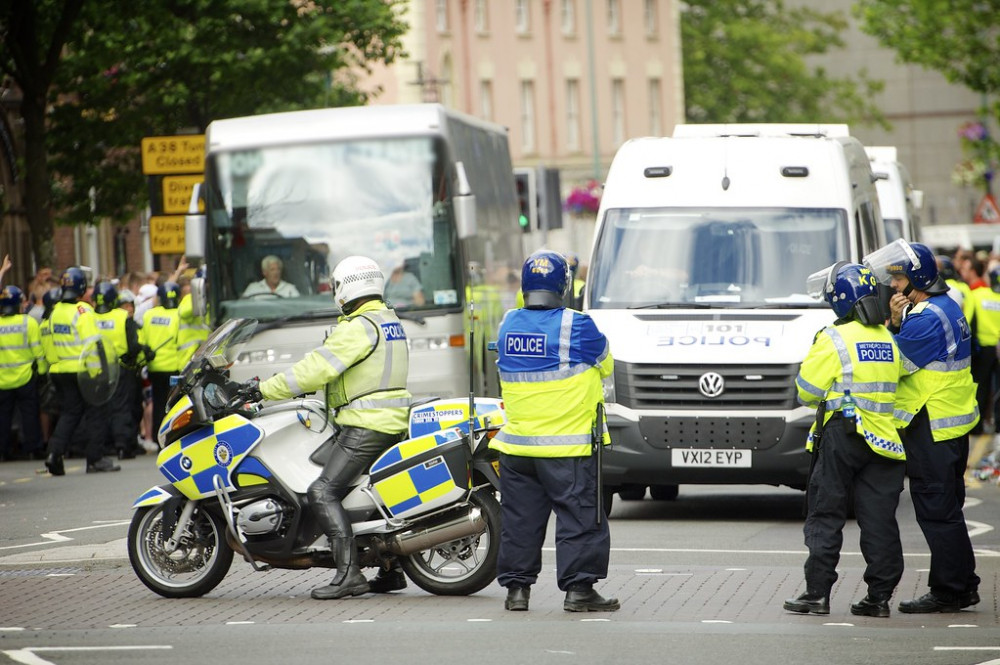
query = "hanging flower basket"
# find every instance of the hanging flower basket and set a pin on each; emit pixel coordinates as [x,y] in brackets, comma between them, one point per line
[584,199]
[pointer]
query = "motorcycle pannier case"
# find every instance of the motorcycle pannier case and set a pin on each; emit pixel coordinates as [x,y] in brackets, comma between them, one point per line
[422,474]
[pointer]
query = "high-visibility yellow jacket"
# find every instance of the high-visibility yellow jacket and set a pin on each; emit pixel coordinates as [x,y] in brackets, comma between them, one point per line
[936,344]
[866,361]
[159,332]
[111,325]
[192,331]
[966,292]
[363,363]
[20,349]
[72,326]
[551,364]
[986,314]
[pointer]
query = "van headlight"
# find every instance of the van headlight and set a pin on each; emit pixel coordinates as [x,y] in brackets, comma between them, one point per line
[608,388]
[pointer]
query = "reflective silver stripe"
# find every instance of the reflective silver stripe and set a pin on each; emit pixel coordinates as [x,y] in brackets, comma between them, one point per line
[565,333]
[866,387]
[949,334]
[293,384]
[185,345]
[336,363]
[949,365]
[604,353]
[539,377]
[908,364]
[955,421]
[862,402]
[10,365]
[540,440]
[387,403]
[809,388]
[904,416]
[842,352]
[15,348]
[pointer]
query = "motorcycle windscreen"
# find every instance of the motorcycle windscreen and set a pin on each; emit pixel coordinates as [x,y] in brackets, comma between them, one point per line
[98,373]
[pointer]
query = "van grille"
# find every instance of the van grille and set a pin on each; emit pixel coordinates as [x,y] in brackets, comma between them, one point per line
[647,386]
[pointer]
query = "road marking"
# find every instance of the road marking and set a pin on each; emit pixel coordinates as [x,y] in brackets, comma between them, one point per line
[595,620]
[29,655]
[359,621]
[977,528]
[715,621]
[239,623]
[11,628]
[967,648]
[123,625]
[832,623]
[54,537]
[479,620]
[963,625]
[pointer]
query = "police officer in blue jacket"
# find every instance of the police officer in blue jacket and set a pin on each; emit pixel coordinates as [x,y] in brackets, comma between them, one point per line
[551,361]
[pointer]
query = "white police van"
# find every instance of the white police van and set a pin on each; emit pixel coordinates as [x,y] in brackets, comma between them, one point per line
[698,277]
[899,202]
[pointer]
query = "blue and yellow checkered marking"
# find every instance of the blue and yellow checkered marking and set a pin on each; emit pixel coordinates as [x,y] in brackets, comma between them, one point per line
[152,497]
[418,484]
[443,414]
[182,405]
[191,462]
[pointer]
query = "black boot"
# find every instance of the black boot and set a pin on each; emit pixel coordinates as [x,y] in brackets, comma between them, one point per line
[872,605]
[392,579]
[517,599]
[348,581]
[811,602]
[54,463]
[585,599]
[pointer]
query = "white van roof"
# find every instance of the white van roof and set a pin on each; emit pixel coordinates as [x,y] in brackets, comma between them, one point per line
[882,153]
[760,129]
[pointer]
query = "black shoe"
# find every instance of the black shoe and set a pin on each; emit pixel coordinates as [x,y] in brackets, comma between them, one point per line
[589,601]
[968,598]
[809,603]
[388,580]
[102,465]
[517,599]
[126,453]
[928,604]
[871,606]
[54,463]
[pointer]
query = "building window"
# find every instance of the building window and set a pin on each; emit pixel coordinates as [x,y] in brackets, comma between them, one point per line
[441,13]
[447,90]
[522,17]
[569,17]
[486,99]
[482,17]
[527,117]
[572,115]
[649,17]
[614,18]
[617,112]
[655,109]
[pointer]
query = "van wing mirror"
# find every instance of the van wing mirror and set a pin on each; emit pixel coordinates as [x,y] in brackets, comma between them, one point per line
[463,204]
[199,297]
[195,227]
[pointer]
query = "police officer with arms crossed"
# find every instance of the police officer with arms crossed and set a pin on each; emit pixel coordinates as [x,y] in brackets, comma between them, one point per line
[363,364]
[551,361]
[72,325]
[20,356]
[852,371]
[937,406]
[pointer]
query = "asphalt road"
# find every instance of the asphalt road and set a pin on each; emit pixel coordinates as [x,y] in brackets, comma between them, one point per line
[701,580]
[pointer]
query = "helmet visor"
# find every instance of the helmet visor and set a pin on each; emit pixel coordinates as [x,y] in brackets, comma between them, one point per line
[895,258]
[817,283]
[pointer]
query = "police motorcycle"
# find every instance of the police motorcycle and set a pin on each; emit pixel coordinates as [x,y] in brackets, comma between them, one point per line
[238,474]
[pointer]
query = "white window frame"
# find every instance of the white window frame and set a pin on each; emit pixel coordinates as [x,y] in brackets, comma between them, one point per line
[655,107]
[573,115]
[441,16]
[486,99]
[614,18]
[568,16]
[482,16]
[522,17]
[527,116]
[618,129]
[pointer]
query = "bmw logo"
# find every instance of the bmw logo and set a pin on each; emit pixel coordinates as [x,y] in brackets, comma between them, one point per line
[223,453]
[186,463]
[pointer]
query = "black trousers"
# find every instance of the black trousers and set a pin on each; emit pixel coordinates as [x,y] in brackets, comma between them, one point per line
[354,450]
[530,489]
[937,488]
[846,462]
[26,399]
[72,409]
[111,422]
[984,369]
[160,384]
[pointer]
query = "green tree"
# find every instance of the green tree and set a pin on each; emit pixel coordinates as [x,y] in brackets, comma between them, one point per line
[117,71]
[746,61]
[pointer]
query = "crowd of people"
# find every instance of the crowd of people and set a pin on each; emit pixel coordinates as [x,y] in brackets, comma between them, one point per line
[142,322]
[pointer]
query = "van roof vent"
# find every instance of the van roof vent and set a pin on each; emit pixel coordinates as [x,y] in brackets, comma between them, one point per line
[658,171]
[795,171]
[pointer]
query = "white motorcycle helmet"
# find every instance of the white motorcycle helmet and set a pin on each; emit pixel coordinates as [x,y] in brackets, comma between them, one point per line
[356,277]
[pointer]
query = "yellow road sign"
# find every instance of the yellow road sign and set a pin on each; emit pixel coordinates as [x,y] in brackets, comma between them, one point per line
[166,234]
[173,154]
[177,193]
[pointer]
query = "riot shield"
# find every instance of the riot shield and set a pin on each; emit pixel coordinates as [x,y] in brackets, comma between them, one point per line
[98,374]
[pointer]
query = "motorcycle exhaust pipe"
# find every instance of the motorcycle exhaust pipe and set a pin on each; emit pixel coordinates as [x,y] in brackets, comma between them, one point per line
[424,537]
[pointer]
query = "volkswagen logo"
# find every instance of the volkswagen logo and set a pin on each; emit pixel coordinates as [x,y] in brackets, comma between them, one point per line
[711,384]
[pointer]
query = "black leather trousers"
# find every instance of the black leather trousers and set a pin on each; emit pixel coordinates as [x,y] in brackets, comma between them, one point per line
[354,450]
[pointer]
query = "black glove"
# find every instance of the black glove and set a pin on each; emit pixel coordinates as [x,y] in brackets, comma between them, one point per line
[251,390]
[149,353]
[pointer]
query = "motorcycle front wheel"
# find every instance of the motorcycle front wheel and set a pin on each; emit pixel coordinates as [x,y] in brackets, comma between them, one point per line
[464,566]
[199,563]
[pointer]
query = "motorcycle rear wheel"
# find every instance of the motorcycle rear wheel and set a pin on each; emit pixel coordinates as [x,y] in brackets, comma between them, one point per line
[464,566]
[199,563]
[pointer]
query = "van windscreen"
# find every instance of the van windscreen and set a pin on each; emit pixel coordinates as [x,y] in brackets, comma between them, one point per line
[708,257]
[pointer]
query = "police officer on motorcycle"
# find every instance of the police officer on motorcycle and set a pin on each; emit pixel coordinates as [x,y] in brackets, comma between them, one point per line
[551,362]
[363,364]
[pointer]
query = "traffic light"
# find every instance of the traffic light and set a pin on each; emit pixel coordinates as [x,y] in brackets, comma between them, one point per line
[527,199]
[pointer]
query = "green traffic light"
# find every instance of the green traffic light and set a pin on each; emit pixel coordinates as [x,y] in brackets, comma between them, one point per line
[523,221]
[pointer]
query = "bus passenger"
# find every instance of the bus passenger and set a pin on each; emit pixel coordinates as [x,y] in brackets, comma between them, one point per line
[272,284]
